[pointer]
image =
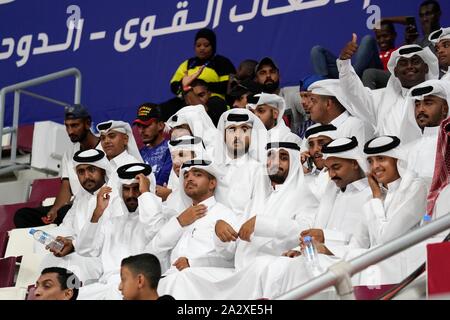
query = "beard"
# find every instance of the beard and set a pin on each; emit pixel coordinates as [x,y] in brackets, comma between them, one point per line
[277,178]
[131,204]
[271,87]
[74,138]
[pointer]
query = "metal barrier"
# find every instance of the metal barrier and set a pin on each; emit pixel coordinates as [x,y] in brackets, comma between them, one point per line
[18,89]
[342,278]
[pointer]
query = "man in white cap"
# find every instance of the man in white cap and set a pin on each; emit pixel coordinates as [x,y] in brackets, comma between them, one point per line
[385,108]
[399,196]
[94,172]
[189,236]
[118,143]
[340,211]
[328,106]
[240,152]
[123,235]
[316,175]
[269,108]
[428,106]
[441,40]
[182,149]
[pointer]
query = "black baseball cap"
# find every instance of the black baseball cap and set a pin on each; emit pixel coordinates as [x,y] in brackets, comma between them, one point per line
[76,111]
[147,113]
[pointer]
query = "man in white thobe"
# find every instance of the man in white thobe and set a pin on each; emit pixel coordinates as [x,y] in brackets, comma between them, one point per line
[117,140]
[316,175]
[269,108]
[428,106]
[93,171]
[385,108]
[123,235]
[328,105]
[240,152]
[441,40]
[194,121]
[189,236]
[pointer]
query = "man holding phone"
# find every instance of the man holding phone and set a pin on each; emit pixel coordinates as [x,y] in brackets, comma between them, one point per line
[429,14]
[313,163]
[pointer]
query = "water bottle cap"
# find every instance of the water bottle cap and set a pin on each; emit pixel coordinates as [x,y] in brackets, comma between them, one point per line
[427,218]
[307,239]
[32,231]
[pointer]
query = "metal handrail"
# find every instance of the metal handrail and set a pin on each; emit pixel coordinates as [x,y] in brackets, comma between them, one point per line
[18,88]
[374,256]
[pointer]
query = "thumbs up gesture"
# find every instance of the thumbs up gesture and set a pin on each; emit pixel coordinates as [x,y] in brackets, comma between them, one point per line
[350,49]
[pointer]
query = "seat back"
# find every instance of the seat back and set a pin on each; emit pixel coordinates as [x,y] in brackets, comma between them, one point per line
[7,271]
[371,293]
[44,188]
[8,211]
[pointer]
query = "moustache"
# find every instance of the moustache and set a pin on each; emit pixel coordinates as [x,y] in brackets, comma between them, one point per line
[422,115]
[191,184]
[131,200]
[89,181]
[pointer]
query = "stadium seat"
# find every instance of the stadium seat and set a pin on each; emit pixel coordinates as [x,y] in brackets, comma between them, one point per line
[25,137]
[44,188]
[371,293]
[3,243]
[7,271]
[7,214]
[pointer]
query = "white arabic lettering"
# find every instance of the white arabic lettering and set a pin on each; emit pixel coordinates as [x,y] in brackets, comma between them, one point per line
[23,49]
[10,43]
[131,37]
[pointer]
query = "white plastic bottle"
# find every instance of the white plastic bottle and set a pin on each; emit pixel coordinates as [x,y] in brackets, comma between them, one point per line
[311,257]
[47,239]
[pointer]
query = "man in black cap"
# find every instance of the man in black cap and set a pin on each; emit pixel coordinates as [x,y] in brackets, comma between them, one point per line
[78,123]
[156,150]
[268,76]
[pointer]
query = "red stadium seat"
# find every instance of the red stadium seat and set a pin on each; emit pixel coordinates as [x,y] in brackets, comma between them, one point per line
[3,243]
[7,271]
[371,293]
[44,188]
[7,214]
[25,137]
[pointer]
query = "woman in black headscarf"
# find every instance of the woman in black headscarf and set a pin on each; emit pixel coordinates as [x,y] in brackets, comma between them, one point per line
[214,69]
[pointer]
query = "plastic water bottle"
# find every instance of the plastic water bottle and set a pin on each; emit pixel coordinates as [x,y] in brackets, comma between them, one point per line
[426,219]
[311,257]
[47,239]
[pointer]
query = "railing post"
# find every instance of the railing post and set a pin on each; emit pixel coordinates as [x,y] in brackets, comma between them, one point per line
[78,83]
[2,118]
[15,127]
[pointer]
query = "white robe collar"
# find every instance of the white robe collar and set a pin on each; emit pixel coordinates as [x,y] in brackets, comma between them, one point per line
[357,186]
[337,122]
[210,202]
[430,131]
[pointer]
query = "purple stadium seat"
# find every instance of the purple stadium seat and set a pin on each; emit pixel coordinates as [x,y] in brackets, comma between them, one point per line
[44,188]
[7,271]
